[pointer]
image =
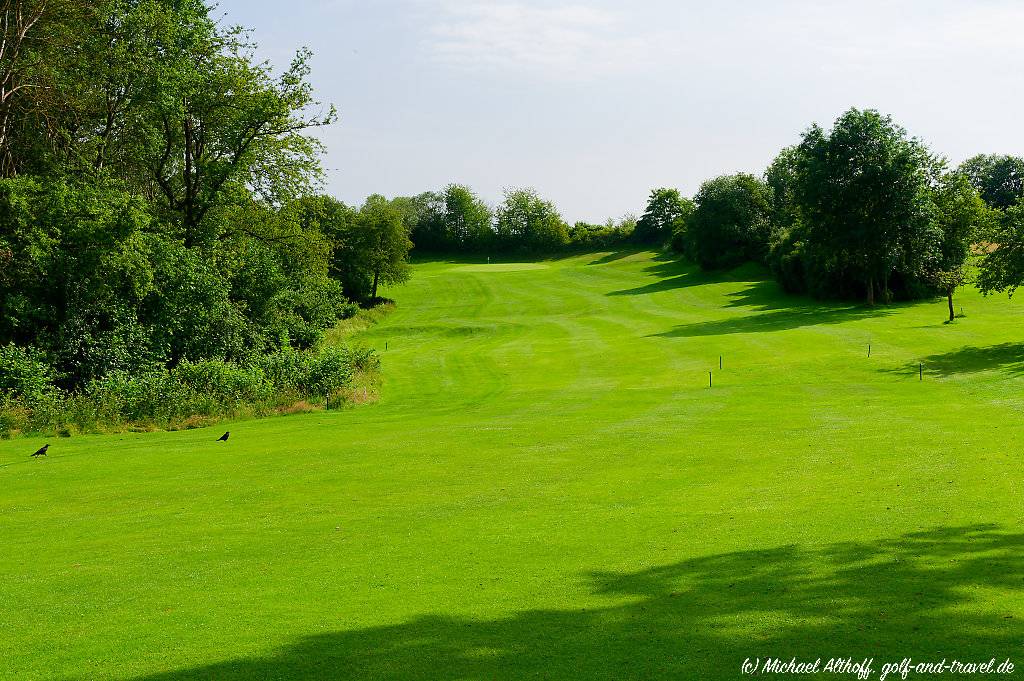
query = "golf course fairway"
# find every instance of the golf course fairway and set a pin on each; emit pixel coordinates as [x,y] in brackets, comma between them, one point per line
[548,488]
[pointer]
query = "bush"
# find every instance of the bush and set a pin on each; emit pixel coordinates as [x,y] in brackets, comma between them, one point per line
[24,372]
[583,235]
[165,398]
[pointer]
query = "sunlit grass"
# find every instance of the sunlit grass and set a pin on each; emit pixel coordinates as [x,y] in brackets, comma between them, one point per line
[547,488]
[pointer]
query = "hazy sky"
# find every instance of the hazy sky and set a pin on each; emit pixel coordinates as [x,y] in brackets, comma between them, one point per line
[595,103]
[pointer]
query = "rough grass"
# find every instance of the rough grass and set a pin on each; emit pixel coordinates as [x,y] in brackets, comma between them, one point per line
[547,488]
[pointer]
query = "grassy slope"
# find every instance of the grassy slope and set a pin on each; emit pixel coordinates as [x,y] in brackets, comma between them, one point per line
[548,488]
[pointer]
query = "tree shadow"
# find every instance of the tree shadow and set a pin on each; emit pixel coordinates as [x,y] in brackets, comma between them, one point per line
[771,309]
[1006,357]
[674,273]
[618,254]
[918,595]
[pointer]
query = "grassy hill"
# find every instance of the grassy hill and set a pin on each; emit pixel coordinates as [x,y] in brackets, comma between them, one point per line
[548,488]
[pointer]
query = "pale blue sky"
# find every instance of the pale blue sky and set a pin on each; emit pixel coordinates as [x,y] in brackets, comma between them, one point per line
[594,103]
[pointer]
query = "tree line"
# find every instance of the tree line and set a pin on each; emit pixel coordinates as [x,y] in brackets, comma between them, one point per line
[162,217]
[161,207]
[862,210]
[859,211]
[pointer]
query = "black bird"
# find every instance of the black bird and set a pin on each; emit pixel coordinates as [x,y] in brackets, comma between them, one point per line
[224,437]
[42,450]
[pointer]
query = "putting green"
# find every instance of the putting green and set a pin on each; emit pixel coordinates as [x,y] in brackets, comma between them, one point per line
[548,488]
[501,267]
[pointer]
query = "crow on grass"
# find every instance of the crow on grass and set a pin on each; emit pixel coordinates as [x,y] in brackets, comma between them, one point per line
[42,450]
[224,437]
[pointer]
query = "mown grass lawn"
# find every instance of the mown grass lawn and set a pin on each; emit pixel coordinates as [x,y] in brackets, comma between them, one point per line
[549,489]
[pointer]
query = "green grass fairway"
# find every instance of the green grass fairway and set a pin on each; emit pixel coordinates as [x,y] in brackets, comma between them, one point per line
[549,489]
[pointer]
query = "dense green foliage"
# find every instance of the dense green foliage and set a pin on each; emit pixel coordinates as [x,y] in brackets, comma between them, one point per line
[1002,266]
[452,220]
[962,218]
[863,192]
[666,212]
[547,488]
[528,222]
[157,199]
[999,179]
[730,222]
[584,235]
[456,220]
[863,211]
[189,394]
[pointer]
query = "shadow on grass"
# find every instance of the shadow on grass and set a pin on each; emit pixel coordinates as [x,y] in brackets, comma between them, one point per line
[916,595]
[618,254]
[674,273]
[770,308]
[773,310]
[1006,357]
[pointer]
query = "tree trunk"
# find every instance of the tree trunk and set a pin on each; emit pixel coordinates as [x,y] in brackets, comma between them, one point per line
[949,297]
[376,278]
[871,290]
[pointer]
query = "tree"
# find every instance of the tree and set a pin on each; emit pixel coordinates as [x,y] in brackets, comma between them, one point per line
[386,242]
[467,219]
[1002,266]
[454,219]
[419,215]
[782,177]
[22,22]
[527,222]
[370,246]
[228,127]
[666,208]
[999,179]
[961,215]
[730,223]
[864,193]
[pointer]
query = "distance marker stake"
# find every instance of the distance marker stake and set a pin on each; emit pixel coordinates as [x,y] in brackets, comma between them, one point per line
[920,371]
[719,361]
[869,349]
[709,379]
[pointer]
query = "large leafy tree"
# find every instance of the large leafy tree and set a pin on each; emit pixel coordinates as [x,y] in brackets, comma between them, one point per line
[999,178]
[149,169]
[160,95]
[1002,265]
[526,221]
[731,221]
[21,21]
[467,218]
[961,216]
[454,219]
[384,243]
[782,177]
[369,246]
[864,193]
[76,274]
[665,212]
[229,127]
